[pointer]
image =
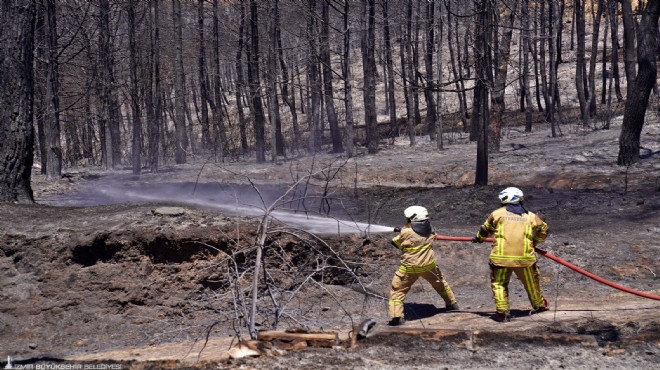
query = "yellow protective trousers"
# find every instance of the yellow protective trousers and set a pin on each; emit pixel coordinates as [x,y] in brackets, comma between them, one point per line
[530,276]
[403,281]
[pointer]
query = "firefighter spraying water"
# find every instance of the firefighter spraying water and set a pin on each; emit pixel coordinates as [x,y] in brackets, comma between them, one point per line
[415,240]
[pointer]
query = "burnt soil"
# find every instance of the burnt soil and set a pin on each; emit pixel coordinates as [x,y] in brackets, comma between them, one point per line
[145,284]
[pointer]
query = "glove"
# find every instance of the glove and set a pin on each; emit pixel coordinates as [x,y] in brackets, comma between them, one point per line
[397,230]
[476,240]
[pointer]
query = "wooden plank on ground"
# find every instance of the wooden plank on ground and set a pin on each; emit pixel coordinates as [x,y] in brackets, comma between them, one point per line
[321,339]
[431,334]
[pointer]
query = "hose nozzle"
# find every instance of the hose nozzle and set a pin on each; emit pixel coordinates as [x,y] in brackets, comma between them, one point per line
[396,230]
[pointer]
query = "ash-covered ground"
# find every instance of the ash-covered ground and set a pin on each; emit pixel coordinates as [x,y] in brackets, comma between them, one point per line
[155,270]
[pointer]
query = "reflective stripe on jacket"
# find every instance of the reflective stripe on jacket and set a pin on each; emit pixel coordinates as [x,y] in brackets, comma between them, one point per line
[514,237]
[417,251]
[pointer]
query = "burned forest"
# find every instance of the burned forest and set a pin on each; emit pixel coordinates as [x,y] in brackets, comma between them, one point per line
[223,184]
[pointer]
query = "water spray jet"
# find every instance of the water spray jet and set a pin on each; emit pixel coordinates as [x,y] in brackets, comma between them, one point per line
[239,200]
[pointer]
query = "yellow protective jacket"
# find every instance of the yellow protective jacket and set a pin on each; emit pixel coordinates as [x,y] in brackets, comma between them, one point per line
[514,237]
[417,250]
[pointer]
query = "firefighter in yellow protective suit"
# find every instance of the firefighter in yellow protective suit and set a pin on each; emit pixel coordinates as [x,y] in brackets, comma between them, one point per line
[516,231]
[415,240]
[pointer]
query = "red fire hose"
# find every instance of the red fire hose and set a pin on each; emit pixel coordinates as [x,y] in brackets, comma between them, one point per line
[567,264]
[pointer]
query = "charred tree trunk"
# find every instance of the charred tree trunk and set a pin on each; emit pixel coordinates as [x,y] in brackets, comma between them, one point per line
[456,69]
[592,58]
[276,44]
[181,146]
[88,126]
[219,136]
[484,33]
[41,69]
[389,62]
[240,79]
[136,146]
[348,87]
[416,76]
[289,97]
[639,90]
[190,136]
[431,114]
[116,118]
[628,42]
[572,46]
[301,90]
[534,50]
[580,62]
[103,105]
[525,72]
[614,31]
[314,81]
[255,85]
[16,133]
[520,92]
[52,103]
[475,119]
[203,79]
[605,73]
[408,72]
[560,29]
[464,64]
[277,141]
[109,107]
[553,91]
[328,93]
[439,64]
[545,35]
[152,90]
[499,83]
[369,68]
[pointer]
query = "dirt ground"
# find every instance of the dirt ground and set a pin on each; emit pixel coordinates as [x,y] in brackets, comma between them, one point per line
[119,271]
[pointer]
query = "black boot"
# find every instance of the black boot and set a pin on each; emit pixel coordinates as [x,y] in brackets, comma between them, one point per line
[396,321]
[502,317]
[544,306]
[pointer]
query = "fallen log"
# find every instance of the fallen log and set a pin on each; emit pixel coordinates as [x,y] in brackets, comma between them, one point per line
[320,339]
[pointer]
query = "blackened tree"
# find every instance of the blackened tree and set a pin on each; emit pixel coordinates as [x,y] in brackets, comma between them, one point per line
[369,69]
[483,55]
[506,15]
[255,85]
[639,89]
[389,62]
[52,103]
[313,81]
[16,133]
[136,103]
[324,50]
[348,86]
[179,87]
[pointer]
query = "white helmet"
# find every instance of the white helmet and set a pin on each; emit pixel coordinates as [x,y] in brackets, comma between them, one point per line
[416,213]
[511,196]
